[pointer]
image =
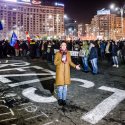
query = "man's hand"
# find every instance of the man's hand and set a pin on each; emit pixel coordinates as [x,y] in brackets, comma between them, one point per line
[78,67]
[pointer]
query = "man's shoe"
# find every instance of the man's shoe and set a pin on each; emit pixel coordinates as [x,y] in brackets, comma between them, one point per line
[64,102]
[95,73]
[117,66]
[60,102]
[86,71]
[114,65]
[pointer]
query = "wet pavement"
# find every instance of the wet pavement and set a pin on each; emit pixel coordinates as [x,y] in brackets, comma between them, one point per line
[27,97]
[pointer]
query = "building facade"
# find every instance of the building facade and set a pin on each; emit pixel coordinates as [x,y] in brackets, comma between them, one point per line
[81,29]
[106,25]
[35,19]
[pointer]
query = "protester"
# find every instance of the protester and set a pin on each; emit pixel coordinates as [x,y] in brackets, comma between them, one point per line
[114,49]
[123,52]
[102,50]
[45,50]
[84,53]
[107,52]
[17,48]
[93,57]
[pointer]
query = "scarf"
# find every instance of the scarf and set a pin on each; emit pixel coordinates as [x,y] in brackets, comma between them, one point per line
[64,55]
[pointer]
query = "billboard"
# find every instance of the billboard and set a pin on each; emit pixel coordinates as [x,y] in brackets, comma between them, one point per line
[59,4]
[103,12]
[25,1]
[12,0]
[37,2]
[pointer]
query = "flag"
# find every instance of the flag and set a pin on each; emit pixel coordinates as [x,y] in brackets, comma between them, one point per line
[28,37]
[13,39]
[1,25]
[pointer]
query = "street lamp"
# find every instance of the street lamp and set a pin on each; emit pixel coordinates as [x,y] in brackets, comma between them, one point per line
[112,6]
[121,9]
[65,17]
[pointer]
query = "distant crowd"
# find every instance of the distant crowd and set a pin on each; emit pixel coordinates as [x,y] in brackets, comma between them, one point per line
[89,51]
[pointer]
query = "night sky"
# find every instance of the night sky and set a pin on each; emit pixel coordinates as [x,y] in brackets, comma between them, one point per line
[84,10]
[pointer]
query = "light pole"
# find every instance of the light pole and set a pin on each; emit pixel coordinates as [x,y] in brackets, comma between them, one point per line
[57,24]
[66,20]
[121,9]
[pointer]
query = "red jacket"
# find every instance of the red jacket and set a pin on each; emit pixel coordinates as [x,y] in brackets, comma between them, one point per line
[16,46]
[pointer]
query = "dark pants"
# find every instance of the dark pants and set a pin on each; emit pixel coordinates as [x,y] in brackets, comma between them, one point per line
[32,51]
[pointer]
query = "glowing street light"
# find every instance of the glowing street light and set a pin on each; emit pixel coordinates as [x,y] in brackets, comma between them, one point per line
[116,9]
[112,6]
[65,16]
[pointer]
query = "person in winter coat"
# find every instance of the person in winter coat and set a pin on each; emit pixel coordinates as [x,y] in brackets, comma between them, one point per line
[84,52]
[107,52]
[17,48]
[102,50]
[94,58]
[123,52]
[114,49]
[63,62]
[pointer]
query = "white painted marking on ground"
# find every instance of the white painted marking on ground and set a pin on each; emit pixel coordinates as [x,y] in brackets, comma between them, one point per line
[30,81]
[30,94]
[29,103]
[4,106]
[38,67]
[10,95]
[45,114]
[4,80]
[5,120]
[32,108]
[35,67]
[20,69]
[101,110]
[87,84]
[48,123]
[34,117]
[5,113]
[105,88]
[45,70]
[27,74]
[11,111]
[15,64]
[3,101]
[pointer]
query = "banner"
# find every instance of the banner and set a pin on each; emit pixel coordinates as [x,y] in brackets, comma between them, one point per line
[73,53]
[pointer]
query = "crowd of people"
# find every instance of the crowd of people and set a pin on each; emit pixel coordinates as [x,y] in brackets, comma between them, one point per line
[89,51]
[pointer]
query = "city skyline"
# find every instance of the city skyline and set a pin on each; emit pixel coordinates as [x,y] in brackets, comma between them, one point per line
[83,11]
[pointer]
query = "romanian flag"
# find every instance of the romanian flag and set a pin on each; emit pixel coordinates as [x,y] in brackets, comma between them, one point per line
[1,25]
[13,39]
[28,37]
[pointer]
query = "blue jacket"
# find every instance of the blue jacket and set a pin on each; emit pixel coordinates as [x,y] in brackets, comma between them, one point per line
[93,53]
[114,50]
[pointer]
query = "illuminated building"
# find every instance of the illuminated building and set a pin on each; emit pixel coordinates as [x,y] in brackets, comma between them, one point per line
[36,19]
[106,25]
